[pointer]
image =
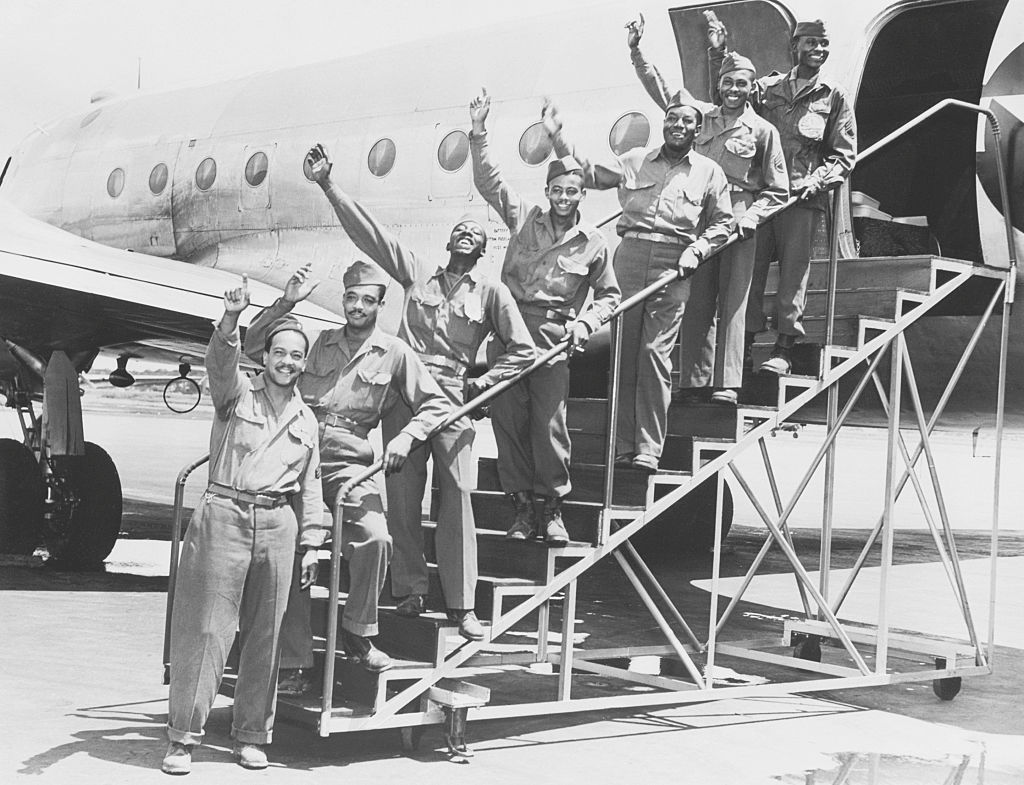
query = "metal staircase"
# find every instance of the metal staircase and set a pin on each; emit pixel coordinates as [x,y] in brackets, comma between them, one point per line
[857,314]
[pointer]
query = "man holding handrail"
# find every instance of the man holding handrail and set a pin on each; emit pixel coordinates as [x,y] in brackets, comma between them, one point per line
[748,149]
[236,563]
[449,312]
[354,376]
[675,211]
[552,263]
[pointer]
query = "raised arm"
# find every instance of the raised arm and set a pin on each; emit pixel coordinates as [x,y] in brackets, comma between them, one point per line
[227,382]
[300,285]
[599,176]
[650,77]
[487,178]
[368,234]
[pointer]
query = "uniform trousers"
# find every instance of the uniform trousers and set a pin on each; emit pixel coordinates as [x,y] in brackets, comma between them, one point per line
[234,573]
[365,545]
[648,335]
[710,353]
[455,537]
[787,237]
[529,422]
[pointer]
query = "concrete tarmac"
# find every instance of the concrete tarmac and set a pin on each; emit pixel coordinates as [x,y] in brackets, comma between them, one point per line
[80,665]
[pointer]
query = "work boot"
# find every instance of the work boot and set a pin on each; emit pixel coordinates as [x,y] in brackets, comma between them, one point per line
[413,605]
[250,756]
[470,627]
[293,681]
[177,759]
[780,362]
[555,534]
[362,650]
[524,521]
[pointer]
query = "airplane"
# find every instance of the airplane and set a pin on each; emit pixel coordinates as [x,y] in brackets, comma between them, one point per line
[122,222]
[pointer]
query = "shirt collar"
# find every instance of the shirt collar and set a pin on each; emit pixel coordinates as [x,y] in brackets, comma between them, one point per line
[475,273]
[818,80]
[259,384]
[543,217]
[659,152]
[376,338]
[747,116]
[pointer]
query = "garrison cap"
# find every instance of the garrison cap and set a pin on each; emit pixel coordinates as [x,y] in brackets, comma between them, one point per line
[469,219]
[734,61]
[561,166]
[285,324]
[361,273]
[815,28]
[676,100]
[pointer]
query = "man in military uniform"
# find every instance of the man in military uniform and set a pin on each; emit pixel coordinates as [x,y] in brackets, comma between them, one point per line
[449,312]
[748,149]
[553,261]
[675,211]
[236,560]
[354,376]
[819,139]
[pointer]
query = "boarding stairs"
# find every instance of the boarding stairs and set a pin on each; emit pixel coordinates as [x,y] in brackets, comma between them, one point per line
[857,314]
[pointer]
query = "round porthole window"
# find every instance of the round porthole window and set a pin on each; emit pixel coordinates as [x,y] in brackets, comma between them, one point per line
[381,158]
[631,130]
[453,151]
[256,169]
[158,179]
[535,145]
[206,174]
[115,183]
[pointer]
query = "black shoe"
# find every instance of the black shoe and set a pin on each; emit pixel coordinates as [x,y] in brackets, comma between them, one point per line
[524,521]
[413,605]
[362,650]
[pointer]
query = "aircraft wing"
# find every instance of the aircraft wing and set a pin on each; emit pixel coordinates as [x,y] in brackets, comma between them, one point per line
[61,291]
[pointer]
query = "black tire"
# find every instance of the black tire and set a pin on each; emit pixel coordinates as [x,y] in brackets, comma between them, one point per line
[21,498]
[686,527]
[808,649]
[96,521]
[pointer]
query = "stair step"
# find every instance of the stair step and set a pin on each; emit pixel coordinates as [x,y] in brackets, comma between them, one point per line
[493,512]
[806,357]
[677,454]
[887,303]
[875,271]
[504,558]
[631,485]
[589,415]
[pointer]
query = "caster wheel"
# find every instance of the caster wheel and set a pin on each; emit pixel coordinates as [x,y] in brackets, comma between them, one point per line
[948,688]
[411,738]
[808,649]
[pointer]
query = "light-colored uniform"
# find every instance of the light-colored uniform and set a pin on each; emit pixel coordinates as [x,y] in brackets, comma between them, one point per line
[445,320]
[818,132]
[236,559]
[349,391]
[667,206]
[750,153]
[550,279]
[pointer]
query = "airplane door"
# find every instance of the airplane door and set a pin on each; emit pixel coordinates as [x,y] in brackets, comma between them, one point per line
[1003,93]
[759,29]
[451,175]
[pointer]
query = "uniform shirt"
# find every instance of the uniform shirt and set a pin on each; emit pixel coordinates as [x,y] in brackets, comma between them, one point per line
[688,198]
[254,449]
[360,387]
[540,270]
[747,147]
[815,121]
[442,317]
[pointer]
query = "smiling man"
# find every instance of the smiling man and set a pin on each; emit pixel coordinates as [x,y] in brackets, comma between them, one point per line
[236,560]
[749,150]
[552,263]
[675,211]
[354,376]
[449,312]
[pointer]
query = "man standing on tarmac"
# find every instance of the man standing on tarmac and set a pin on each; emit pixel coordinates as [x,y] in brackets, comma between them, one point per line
[449,312]
[819,138]
[552,262]
[675,211]
[236,560]
[748,149]
[354,376]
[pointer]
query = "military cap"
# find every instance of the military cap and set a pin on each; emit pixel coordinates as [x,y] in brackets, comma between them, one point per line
[561,166]
[734,61]
[284,324]
[677,100]
[469,219]
[361,273]
[815,28]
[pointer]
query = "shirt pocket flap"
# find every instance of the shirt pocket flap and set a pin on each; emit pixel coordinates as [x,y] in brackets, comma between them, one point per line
[245,411]
[373,376]
[572,266]
[693,194]
[743,145]
[301,432]
[639,182]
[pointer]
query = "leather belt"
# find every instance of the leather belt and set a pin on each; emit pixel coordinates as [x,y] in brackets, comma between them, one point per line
[439,361]
[657,237]
[547,313]
[345,423]
[256,499]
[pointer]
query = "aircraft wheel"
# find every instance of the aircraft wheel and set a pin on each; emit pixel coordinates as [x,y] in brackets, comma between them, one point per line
[95,520]
[21,498]
[808,649]
[688,526]
[948,688]
[411,737]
